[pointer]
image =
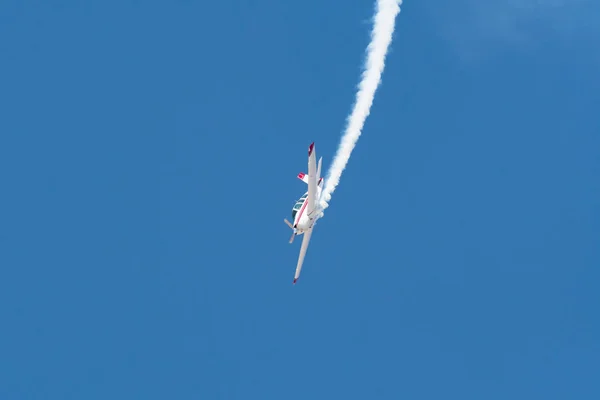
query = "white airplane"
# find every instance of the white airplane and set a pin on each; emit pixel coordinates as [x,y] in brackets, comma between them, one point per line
[307,209]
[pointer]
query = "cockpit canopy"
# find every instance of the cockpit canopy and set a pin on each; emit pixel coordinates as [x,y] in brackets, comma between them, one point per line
[298,205]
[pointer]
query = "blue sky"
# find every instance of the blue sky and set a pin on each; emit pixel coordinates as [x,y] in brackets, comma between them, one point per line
[150,152]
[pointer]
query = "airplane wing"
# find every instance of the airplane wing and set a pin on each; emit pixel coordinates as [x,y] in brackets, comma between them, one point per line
[303,249]
[312,179]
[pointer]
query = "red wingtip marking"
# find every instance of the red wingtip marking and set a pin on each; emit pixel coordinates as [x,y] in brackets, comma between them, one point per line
[301,175]
[295,280]
[310,148]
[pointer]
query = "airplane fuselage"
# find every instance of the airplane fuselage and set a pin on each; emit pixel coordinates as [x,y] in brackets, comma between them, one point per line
[307,209]
[302,220]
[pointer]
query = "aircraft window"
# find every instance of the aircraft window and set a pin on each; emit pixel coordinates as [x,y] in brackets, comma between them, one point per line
[298,205]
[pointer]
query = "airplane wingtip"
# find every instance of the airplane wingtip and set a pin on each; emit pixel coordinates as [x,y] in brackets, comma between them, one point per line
[310,148]
[295,280]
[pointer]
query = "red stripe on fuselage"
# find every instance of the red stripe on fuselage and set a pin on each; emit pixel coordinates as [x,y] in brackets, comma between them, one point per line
[302,210]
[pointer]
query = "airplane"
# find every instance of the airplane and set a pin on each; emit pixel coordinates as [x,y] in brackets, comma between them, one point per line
[307,209]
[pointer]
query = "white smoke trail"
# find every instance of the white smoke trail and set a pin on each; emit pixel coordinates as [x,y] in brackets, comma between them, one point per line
[381,37]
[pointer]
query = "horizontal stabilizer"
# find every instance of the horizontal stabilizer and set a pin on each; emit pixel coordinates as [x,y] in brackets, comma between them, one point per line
[304,178]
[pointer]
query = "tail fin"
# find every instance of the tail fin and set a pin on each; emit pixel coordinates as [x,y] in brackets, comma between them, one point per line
[319,169]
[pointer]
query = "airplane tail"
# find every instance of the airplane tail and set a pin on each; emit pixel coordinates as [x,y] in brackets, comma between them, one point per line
[304,178]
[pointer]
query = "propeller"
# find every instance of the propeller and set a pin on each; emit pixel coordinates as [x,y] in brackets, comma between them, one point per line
[288,223]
